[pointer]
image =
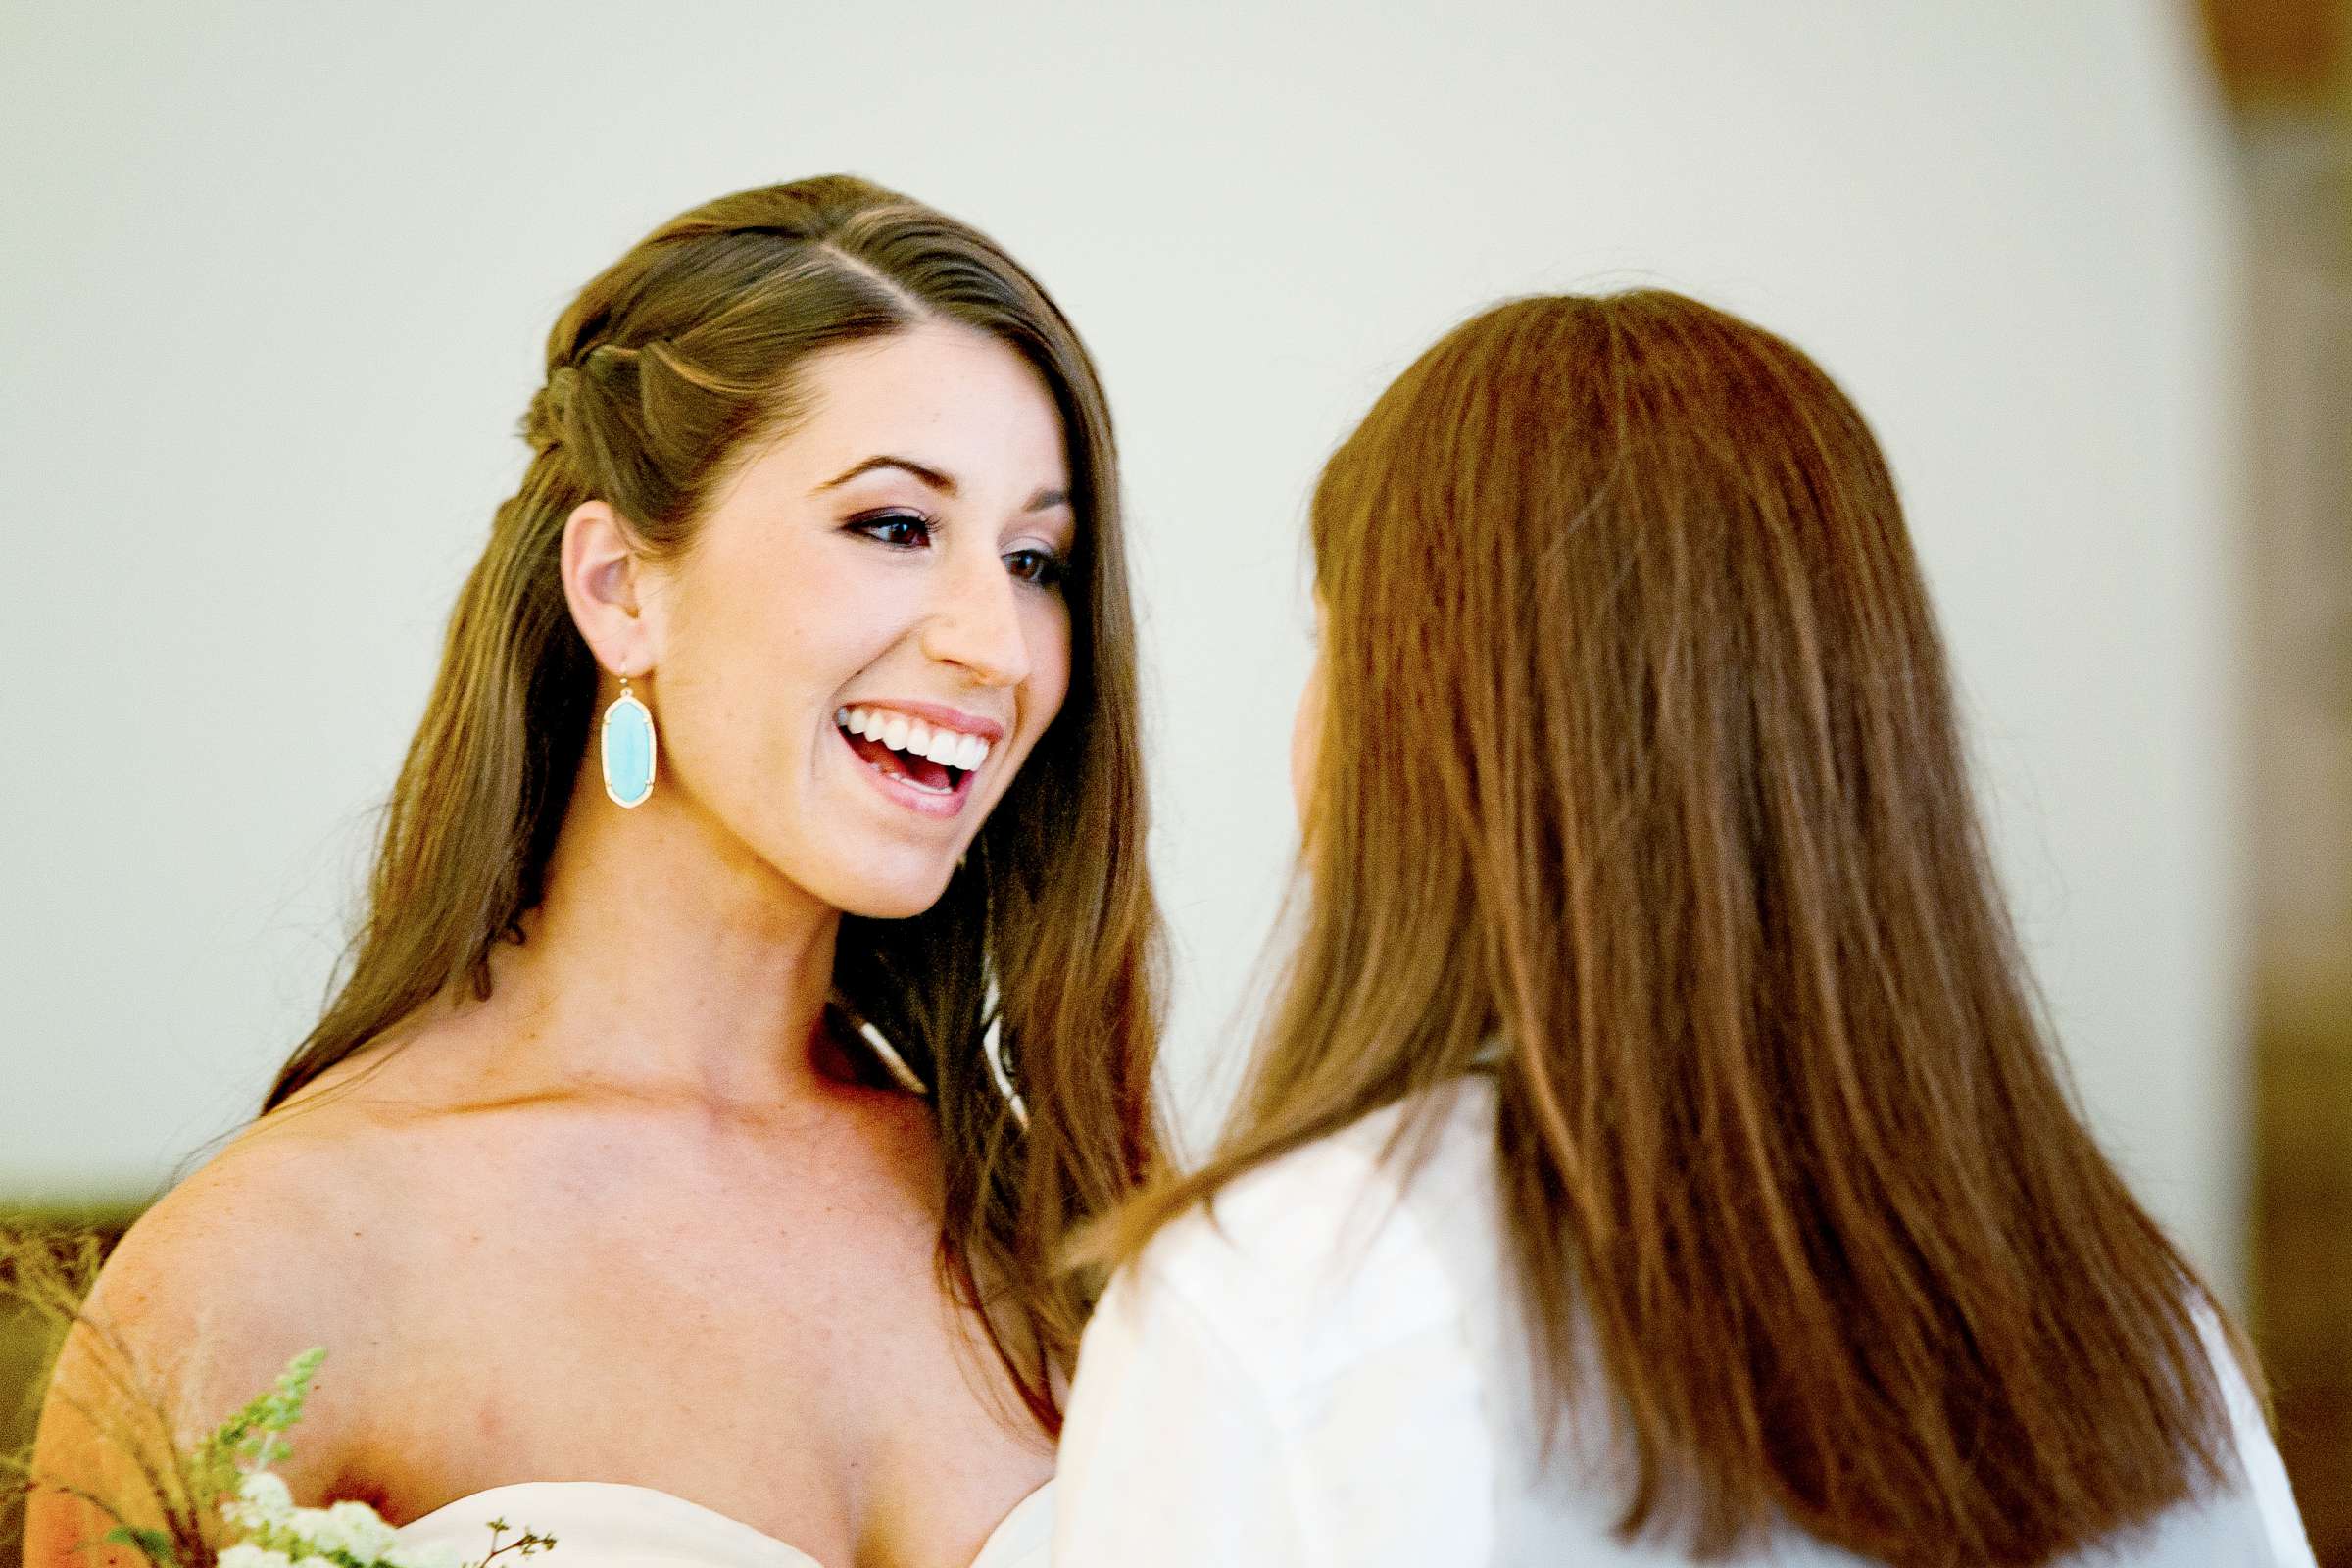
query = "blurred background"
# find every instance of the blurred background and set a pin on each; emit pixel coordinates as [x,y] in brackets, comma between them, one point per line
[2285,70]
[277,279]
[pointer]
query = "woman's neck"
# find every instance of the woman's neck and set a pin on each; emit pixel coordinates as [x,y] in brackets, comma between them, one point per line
[666,958]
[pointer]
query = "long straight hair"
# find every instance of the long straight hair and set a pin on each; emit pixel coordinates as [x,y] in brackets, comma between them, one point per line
[671,366]
[1639,754]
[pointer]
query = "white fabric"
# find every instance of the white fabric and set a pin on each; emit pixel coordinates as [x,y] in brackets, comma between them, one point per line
[1330,1372]
[607,1523]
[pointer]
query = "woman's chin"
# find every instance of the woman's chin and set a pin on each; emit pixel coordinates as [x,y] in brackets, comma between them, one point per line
[867,875]
[891,898]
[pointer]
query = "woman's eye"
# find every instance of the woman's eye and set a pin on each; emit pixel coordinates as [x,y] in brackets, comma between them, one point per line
[902,530]
[1040,566]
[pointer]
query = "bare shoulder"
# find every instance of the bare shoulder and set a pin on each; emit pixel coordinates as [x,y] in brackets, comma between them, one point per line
[255,1238]
[258,1255]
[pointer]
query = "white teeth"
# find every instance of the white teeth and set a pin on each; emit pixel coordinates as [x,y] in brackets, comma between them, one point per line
[947,748]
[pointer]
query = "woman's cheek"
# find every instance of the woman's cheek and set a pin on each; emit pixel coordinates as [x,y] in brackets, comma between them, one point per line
[1307,735]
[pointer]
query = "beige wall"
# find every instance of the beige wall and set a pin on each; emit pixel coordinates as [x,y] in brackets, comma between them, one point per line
[277,275]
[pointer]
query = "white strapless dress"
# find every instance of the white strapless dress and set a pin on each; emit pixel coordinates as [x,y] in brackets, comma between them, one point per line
[610,1524]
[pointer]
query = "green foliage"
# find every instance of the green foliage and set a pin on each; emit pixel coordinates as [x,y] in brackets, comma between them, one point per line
[200,1493]
[254,1437]
[154,1544]
[531,1545]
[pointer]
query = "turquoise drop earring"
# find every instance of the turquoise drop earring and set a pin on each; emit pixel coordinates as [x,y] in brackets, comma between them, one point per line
[627,749]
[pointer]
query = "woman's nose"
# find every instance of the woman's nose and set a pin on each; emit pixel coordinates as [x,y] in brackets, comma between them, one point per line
[976,623]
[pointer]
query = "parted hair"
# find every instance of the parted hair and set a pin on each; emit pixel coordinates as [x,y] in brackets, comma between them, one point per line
[1639,756]
[671,368]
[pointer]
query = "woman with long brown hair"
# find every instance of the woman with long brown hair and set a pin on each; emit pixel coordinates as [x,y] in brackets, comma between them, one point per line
[759,974]
[1654,1154]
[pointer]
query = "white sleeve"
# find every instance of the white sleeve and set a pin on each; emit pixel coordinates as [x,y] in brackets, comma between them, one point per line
[1168,1454]
[1175,1452]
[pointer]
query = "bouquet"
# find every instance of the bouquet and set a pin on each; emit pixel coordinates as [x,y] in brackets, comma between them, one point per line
[220,1503]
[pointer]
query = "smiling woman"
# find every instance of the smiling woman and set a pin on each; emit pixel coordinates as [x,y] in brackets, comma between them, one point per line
[827,575]
[714,1076]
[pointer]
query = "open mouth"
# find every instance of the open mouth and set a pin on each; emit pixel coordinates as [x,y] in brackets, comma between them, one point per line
[932,759]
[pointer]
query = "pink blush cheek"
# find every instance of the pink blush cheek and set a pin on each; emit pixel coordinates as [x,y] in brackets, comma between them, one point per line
[1049,683]
[1307,739]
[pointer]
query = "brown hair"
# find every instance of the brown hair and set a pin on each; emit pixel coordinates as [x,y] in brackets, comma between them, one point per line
[672,365]
[1638,754]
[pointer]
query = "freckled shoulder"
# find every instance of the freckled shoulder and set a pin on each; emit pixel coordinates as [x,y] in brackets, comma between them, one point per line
[261,1253]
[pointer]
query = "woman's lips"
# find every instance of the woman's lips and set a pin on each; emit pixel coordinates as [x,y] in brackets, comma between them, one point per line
[900,778]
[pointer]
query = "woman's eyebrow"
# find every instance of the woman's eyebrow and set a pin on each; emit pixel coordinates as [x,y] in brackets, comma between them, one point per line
[1045,499]
[929,476]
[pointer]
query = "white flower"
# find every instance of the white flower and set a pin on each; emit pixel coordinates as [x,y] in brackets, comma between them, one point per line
[266,1494]
[314,1528]
[314,1562]
[368,1537]
[424,1554]
[242,1516]
[245,1554]
[348,1528]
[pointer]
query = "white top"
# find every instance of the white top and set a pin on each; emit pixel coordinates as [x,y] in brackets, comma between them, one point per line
[1330,1374]
[607,1523]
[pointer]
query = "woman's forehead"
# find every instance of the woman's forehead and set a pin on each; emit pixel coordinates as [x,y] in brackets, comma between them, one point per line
[951,401]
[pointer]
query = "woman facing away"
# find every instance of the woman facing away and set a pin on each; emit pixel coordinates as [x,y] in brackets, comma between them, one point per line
[678,1168]
[1654,1155]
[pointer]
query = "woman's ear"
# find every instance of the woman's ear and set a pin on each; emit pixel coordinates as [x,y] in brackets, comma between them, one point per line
[605,582]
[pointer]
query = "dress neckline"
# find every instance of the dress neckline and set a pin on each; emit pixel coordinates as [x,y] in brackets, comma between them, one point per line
[755,1542]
